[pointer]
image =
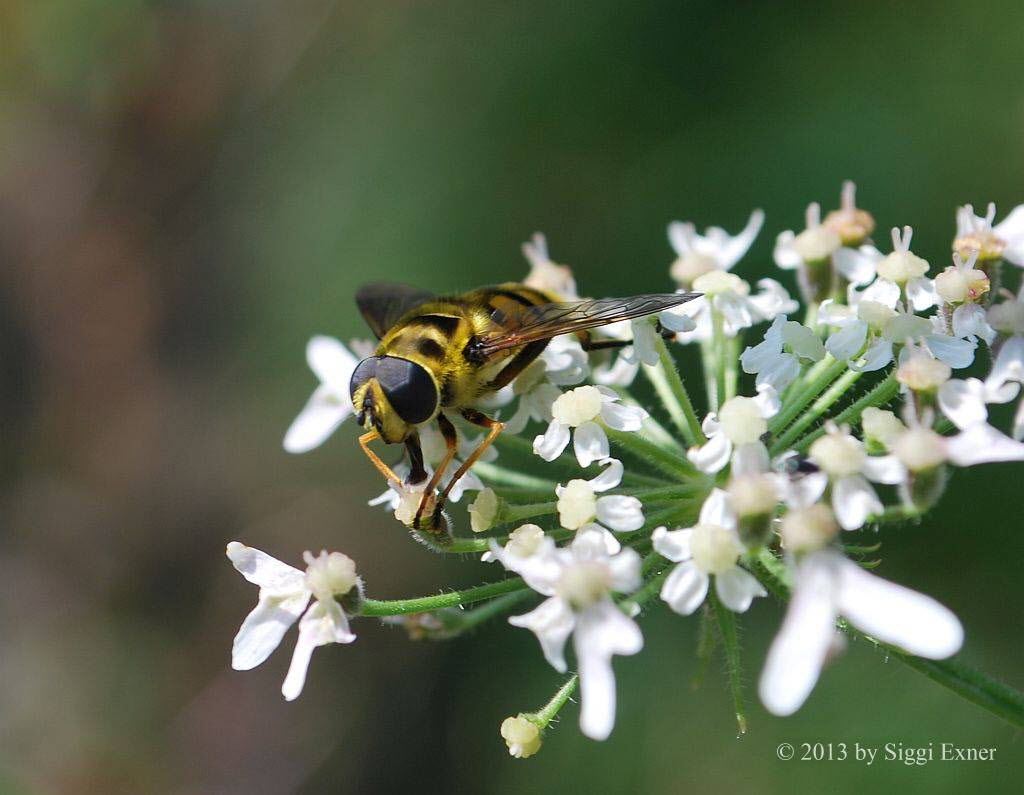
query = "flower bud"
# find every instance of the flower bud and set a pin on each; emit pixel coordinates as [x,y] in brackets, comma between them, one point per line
[577,406]
[741,420]
[718,281]
[577,504]
[852,224]
[875,314]
[484,510]
[955,285]
[525,540]
[714,548]
[920,449]
[753,495]
[330,574]
[902,266]
[923,373]
[881,426]
[521,736]
[805,529]
[685,270]
[838,453]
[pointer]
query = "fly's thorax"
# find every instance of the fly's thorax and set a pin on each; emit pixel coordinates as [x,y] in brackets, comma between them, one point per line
[393,395]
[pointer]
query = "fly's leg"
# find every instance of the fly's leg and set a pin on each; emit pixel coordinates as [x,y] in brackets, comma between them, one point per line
[450,440]
[494,427]
[517,364]
[384,469]
[417,472]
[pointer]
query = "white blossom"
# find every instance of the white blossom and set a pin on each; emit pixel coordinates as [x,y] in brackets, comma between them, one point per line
[711,547]
[716,249]
[582,415]
[580,506]
[776,360]
[579,583]
[845,464]
[330,403]
[826,585]
[817,243]
[284,594]
[741,421]
[546,275]
[978,233]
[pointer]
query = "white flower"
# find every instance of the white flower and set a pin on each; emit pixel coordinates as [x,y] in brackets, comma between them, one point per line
[827,585]
[977,233]
[526,544]
[858,265]
[843,461]
[1007,374]
[710,547]
[776,360]
[851,223]
[536,395]
[816,243]
[483,510]
[920,448]
[1007,317]
[579,506]
[741,421]
[546,275]
[900,270]
[330,403]
[962,282]
[714,250]
[587,409]
[729,295]
[284,593]
[579,582]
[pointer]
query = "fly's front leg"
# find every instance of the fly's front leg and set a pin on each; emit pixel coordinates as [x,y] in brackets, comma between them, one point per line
[384,469]
[494,427]
[450,440]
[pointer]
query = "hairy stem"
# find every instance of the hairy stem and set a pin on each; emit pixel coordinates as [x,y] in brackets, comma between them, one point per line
[733,662]
[817,409]
[421,604]
[669,386]
[882,393]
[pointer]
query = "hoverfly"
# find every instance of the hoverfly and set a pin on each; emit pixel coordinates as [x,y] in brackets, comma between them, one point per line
[440,354]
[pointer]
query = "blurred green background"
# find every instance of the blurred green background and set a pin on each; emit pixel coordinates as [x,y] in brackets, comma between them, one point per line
[189,190]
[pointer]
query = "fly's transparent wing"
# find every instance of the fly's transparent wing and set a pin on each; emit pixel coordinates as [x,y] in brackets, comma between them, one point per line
[516,327]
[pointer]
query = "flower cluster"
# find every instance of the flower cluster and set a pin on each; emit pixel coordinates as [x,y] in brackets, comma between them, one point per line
[817,426]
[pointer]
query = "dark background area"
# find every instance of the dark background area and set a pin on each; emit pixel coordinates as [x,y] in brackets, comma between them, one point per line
[189,190]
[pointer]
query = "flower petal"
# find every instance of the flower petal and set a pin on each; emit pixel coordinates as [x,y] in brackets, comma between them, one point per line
[853,501]
[610,477]
[319,418]
[894,614]
[622,418]
[848,341]
[877,356]
[264,628]
[737,587]
[672,544]
[713,455]
[590,443]
[331,361]
[963,401]
[552,622]
[716,510]
[553,442]
[886,469]
[685,588]
[796,655]
[982,444]
[857,265]
[272,575]
[620,513]
[955,352]
[602,630]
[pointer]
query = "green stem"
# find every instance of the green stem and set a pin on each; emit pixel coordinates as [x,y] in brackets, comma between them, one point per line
[807,392]
[718,346]
[882,393]
[707,362]
[669,386]
[819,407]
[733,662]
[732,360]
[421,604]
[545,715]
[499,475]
[516,513]
[673,465]
[453,622]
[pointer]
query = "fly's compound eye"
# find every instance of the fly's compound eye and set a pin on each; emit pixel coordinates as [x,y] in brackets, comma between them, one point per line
[408,387]
[365,370]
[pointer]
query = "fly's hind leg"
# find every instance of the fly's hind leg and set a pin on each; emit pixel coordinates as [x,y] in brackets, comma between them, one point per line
[589,344]
[450,440]
[494,427]
[417,472]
